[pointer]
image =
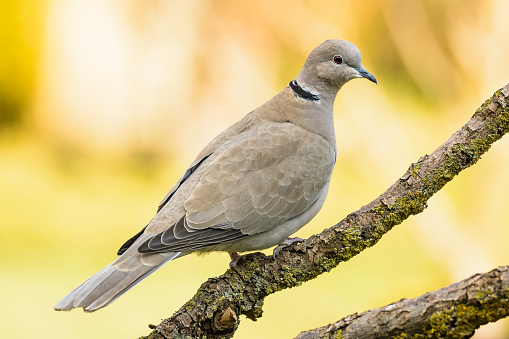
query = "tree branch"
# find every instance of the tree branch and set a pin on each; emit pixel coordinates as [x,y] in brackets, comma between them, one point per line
[455,311]
[215,309]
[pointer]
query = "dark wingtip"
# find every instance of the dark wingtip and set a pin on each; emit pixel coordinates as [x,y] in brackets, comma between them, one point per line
[144,247]
[129,242]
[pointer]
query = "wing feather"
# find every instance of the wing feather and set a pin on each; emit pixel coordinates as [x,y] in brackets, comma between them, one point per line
[254,183]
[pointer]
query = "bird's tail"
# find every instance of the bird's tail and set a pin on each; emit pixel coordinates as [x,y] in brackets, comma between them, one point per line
[114,280]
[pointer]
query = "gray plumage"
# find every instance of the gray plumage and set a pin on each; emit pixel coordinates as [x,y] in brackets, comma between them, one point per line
[255,184]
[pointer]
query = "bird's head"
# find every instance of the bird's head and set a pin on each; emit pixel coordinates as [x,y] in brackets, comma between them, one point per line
[332,64]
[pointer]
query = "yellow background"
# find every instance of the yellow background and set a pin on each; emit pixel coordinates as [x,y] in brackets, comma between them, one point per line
[104,103]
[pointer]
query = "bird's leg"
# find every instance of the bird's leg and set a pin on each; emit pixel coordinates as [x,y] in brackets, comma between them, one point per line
[235,259]
[287,242]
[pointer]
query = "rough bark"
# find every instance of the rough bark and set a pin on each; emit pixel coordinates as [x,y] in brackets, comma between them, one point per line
[455,311]
[215,309]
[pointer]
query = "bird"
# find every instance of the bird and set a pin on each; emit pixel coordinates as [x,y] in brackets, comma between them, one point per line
[250,188]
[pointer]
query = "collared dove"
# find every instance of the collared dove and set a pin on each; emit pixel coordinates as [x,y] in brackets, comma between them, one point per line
[251,187]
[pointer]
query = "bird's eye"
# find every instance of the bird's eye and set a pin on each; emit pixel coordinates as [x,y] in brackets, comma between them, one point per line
[338,59]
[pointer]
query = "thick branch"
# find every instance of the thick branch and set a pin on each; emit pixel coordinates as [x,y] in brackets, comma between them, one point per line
[215,309]
[455,311]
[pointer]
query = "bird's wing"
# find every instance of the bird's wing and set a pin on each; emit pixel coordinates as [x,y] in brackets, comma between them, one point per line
[271,173]
[220,140]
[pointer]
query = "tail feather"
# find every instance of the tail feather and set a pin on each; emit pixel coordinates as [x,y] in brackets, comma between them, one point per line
[91,285]
[112,281]
[119,290]
[67,303]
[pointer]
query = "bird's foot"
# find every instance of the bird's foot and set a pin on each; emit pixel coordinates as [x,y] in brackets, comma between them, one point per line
[235,259]
[287,242]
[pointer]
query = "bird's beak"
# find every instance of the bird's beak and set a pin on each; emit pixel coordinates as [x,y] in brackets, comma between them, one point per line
[365,74]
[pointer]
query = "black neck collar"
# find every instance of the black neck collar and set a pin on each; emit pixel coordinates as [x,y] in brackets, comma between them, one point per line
[302,92]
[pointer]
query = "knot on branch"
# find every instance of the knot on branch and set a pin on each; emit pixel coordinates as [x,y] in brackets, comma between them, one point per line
[225,320]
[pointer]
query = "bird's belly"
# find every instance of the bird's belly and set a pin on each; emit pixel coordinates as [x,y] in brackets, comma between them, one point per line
[274,236]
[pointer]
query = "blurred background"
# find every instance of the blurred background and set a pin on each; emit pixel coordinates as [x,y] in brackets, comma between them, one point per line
[104,103]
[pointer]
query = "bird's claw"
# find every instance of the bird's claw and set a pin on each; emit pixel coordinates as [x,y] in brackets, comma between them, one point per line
[287,242]
[235,259]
